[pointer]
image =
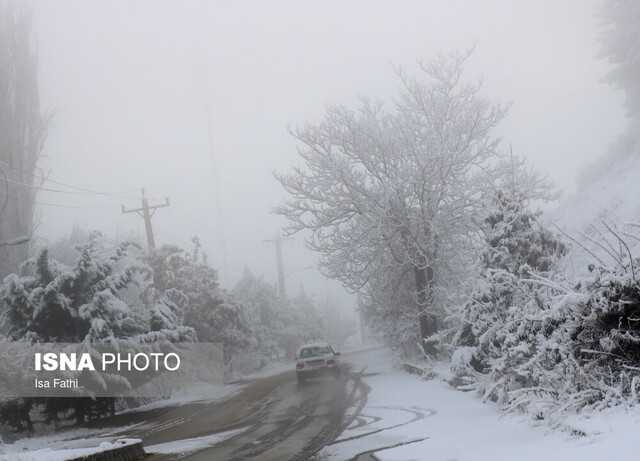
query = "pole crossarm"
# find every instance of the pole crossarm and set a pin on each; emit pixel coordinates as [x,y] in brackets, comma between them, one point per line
[146,212]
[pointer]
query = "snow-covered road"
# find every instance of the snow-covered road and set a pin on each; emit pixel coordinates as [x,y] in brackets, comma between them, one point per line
[272,418]
[265,418]
[429,421]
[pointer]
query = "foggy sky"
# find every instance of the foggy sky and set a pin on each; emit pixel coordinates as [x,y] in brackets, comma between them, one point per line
[128,83]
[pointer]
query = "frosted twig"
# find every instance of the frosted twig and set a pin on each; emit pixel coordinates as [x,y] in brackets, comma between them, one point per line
[574,240]
[548,283]
[622,242]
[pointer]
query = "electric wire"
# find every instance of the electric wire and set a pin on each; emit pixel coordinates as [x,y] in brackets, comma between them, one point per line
[77,190]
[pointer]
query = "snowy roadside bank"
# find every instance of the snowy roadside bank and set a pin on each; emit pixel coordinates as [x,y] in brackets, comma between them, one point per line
[71,443]
[74,449]
[455,425]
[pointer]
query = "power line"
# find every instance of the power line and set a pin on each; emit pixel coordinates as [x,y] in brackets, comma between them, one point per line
[80,192]
[89,191]
[9,195]
[78,188]
[45,189]
[50,204]
[44,178]
[58,205]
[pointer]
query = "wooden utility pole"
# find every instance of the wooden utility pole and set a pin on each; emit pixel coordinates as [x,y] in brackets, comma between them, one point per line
[277,242]
[146,212]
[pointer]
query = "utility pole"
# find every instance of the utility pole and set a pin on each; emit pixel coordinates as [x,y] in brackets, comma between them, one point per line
[277,242]
[146,212]
[215,170]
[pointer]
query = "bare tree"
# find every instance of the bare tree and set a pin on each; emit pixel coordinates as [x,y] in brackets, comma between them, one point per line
[394,190]
[22,131]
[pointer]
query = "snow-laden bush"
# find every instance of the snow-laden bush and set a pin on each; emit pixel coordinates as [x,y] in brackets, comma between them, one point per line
[531,340]
[582,350]
[102,299]
[498,327]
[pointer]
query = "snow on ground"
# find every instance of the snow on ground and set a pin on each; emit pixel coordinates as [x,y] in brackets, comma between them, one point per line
[82,443]
[190,445]
[62,454]
[67,439]
[458,426]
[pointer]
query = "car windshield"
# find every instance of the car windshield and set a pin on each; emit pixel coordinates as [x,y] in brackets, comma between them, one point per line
[314,351]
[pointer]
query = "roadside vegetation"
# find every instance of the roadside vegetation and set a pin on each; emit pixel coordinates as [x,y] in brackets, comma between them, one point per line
[416,205]
[115,294]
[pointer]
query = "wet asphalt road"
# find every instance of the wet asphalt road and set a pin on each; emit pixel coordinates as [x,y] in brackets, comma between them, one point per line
[282,421]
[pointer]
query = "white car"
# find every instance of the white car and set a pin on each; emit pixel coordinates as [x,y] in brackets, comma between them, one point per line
[317,359]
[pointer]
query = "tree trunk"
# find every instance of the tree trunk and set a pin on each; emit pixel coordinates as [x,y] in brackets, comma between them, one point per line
[424,290]
[22,132]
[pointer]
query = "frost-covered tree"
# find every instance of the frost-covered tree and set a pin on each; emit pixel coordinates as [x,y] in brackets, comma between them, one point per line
[395,184]
[621,47]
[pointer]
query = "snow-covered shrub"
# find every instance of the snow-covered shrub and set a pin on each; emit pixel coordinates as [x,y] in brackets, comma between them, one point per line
[535,342]
[101,299]
[582,350]
[49,302]
[607,333]
[518,252]
[169,310]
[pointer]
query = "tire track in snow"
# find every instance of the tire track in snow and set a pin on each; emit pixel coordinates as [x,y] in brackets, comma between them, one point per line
[418,414]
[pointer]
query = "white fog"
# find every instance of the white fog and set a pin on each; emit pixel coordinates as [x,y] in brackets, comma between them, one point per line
[243,230]
[128,84]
